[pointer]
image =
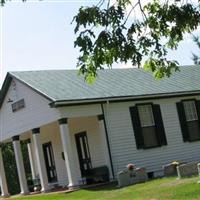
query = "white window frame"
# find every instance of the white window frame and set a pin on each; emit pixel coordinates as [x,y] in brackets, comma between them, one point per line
[190,110]
[146,115]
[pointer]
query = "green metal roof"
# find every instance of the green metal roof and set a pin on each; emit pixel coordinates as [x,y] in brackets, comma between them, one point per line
[66,85]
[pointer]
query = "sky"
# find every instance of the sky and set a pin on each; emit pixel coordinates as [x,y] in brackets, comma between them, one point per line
[38,35]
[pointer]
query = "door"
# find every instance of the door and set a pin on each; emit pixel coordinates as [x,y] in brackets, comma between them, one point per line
[83,153]
[49,162]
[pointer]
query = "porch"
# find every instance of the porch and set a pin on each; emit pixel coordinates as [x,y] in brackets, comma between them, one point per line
[61,153]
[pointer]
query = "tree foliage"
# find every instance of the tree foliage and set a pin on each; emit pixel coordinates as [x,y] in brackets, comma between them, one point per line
[2,2]
[195,57]
[107,34]
[11,168]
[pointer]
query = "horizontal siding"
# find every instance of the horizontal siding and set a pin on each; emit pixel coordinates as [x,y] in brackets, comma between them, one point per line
[36,113]
[80,111]
[122,140]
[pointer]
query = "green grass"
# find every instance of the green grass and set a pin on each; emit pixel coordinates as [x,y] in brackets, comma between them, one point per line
[165,188]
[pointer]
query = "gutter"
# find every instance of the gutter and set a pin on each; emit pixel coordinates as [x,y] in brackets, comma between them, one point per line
[61,103]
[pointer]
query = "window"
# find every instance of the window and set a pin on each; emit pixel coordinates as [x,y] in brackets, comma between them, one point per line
[146,115]
[148,126]
[18,105]
[189,119]
[190,110]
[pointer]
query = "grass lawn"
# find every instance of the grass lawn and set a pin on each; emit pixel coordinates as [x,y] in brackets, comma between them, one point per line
[165,188]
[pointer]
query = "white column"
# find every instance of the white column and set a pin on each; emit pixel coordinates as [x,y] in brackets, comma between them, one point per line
[40,160]
[3,183]
[67,149]
[31,159]
[20,165]
[102,130]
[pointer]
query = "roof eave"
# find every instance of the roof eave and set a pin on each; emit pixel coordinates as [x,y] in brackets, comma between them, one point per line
[4,89]
[33,88]
[61,103]
[6,85]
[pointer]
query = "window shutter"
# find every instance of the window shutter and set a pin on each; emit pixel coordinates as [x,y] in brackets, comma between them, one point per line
[160,130]
[198,109]
[182,120]
[137,127]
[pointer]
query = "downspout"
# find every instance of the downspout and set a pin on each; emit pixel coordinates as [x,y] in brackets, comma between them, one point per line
[107,141]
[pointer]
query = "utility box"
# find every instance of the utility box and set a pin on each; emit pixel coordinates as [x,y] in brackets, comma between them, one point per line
[129,177]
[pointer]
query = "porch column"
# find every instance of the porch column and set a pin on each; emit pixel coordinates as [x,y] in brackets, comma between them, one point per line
[3,182]
[20,165]
[40,160]
[67,149]
[31,159]
[107,155]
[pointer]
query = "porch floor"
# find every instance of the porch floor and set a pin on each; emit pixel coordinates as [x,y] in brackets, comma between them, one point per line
[66,190]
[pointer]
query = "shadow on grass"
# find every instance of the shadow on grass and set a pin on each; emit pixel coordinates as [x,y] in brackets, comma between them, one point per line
[111,186]
[105,187]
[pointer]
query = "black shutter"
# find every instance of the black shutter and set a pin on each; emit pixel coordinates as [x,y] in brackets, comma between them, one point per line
[137,127]
[183,122]
[160,130]
[198,110]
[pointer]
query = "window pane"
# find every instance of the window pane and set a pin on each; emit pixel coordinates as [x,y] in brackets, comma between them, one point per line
[194,130]
[146,115]
[150,139]
[190,110]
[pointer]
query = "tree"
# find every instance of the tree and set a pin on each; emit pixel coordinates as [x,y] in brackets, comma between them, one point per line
[2,2]
[195,57]
[107,33]
[11,168]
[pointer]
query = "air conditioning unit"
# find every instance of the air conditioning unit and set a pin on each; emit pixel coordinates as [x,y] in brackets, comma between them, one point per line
[129,177]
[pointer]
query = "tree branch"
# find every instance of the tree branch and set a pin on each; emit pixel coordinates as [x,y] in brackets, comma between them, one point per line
[133,7]
[101,2]
[141,9]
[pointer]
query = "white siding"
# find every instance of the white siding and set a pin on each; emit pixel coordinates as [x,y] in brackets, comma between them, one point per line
[80,111]
[36,112]
[122,140]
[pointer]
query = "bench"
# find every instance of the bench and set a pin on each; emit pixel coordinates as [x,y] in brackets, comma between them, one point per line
[97,175]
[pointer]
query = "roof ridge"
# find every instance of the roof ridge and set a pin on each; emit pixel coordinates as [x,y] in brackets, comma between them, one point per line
[118,68]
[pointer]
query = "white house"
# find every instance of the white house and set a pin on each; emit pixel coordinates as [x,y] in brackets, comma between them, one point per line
[124,117]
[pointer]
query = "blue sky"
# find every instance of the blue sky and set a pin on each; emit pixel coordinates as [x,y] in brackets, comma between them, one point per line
[39,35]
